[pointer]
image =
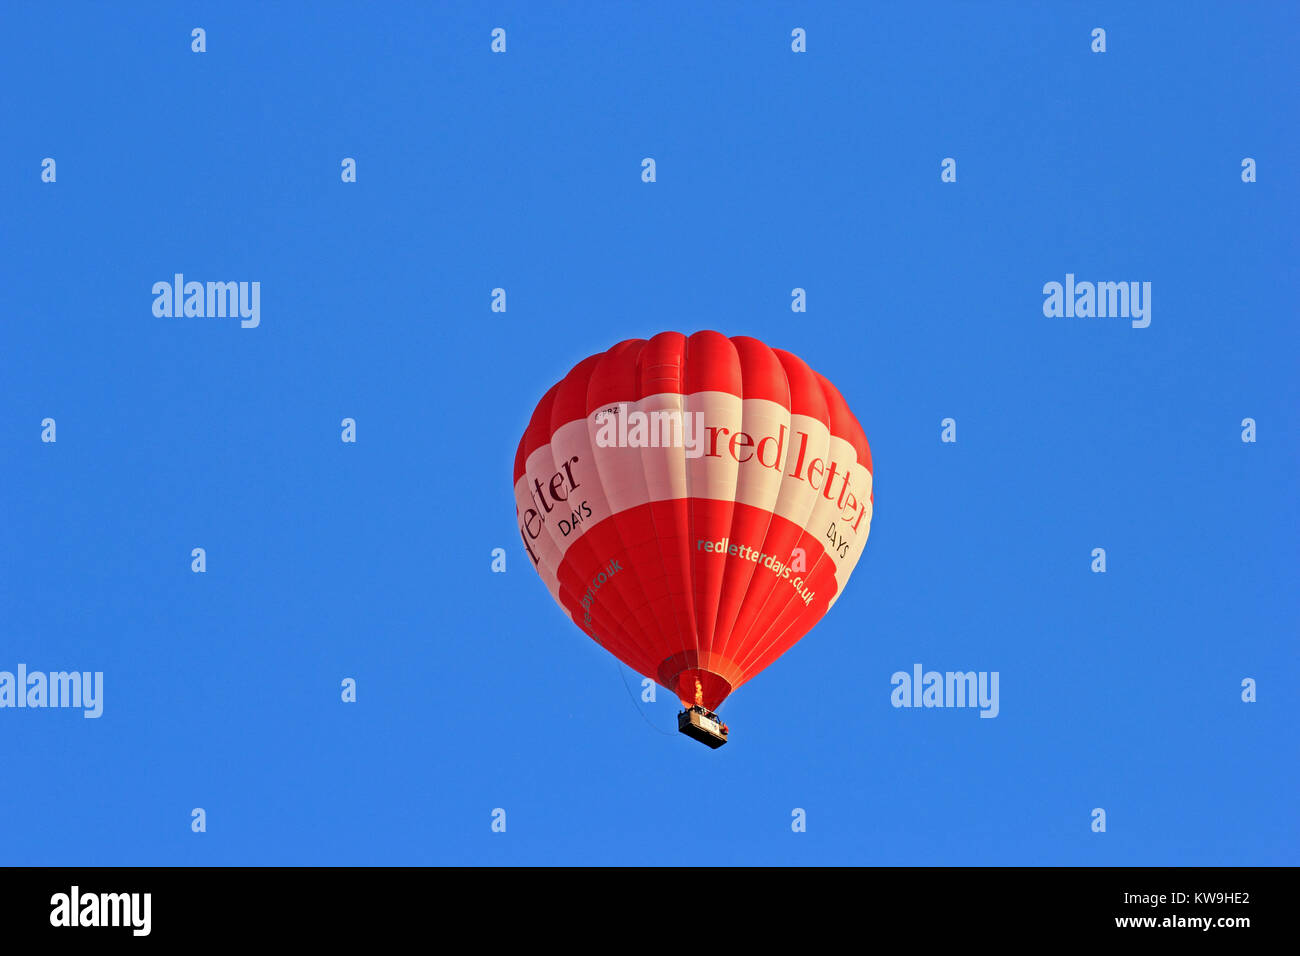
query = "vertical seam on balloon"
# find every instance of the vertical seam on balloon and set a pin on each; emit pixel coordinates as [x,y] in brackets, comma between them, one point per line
[729,634]
[769,643]
[632,581]
[775,592]
[690,513]
[615,630]
[639,396]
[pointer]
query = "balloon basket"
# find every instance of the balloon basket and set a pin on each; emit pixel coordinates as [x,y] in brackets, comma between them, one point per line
[702,725]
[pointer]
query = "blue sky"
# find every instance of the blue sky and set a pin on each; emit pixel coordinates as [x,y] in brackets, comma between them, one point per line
[775,170]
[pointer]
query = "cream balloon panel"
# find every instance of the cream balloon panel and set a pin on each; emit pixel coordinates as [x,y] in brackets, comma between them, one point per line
[841,521]
[752,451]
[545,552]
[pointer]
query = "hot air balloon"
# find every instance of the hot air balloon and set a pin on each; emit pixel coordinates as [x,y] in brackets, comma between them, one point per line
[695,504]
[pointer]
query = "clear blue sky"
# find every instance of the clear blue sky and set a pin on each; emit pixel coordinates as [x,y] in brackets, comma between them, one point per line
[775,170]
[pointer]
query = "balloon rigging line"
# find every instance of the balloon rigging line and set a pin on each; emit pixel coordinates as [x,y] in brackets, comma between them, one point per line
[618,665]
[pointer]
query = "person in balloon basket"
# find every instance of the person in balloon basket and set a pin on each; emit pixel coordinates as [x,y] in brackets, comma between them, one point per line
[699,709]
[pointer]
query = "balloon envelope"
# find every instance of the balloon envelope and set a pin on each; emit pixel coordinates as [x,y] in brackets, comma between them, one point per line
[695,504]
